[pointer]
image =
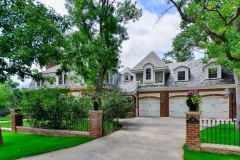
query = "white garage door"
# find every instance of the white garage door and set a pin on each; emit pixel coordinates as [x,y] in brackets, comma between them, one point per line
[149,107]
[215,107]
[177,107]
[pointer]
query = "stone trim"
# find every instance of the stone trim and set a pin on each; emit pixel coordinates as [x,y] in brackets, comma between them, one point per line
[51,132]
[222,149]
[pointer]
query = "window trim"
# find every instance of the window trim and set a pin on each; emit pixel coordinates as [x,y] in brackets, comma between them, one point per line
[147,76]
[110,77]
[62,80]
[214,73]
[181,75]
[163,72]
[40,82]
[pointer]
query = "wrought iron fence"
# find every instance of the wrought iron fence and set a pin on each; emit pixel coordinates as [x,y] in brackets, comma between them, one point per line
[220,132]
[110,120]
[68,123]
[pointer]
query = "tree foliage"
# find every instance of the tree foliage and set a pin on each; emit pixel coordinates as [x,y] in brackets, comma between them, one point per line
[30,34]
[7,91]
[216,23]
[95,44]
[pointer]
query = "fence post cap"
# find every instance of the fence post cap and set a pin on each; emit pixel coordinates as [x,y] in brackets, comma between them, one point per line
[192,113]
[94,111]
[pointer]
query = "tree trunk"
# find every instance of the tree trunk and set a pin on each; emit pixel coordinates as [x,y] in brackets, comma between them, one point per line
[236,24]
[237,83]
[1,139]
[100,80]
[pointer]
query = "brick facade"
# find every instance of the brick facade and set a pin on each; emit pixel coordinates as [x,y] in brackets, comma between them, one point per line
[95,124]
[192,131]
[17,119]
[164,99]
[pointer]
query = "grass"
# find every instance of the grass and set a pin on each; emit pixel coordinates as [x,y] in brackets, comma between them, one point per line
[18,145]
[6,118]
[221,134]
[9,124]
[194,155]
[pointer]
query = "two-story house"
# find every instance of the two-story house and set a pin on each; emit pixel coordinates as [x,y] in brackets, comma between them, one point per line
[159,89]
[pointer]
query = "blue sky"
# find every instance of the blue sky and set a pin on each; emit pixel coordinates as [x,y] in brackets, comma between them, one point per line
[143,37]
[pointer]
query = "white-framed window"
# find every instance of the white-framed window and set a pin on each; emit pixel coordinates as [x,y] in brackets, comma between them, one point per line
[110,78]
[126,77]
[148,74]
[61,79]
[39,83]
[159,77]
[212,72]
[181,75]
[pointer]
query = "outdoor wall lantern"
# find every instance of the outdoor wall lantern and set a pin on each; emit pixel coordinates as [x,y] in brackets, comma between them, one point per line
[227,95]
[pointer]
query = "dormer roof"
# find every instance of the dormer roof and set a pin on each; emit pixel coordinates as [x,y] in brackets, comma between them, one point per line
[151,58]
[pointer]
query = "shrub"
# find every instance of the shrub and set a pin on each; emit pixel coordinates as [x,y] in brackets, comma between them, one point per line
[117,97]
[53,107]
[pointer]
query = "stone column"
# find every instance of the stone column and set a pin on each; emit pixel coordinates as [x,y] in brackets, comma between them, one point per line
[193,130]
[17,119]
[95,124]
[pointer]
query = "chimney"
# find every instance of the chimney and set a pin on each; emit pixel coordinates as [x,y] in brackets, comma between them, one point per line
[50,65]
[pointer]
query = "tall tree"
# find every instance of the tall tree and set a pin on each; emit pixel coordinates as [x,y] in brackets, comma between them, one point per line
[30,34]
[96,41]
[186,43]
[220,21]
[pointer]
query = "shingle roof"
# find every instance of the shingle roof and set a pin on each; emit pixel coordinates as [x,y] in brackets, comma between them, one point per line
[150,58]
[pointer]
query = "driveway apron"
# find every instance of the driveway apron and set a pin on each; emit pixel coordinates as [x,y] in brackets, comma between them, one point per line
[141,138]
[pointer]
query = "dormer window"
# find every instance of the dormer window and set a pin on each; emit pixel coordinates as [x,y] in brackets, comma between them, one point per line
[148,74]
[61,80]
[110,78]
[126,77]
[212,72]
[181,75]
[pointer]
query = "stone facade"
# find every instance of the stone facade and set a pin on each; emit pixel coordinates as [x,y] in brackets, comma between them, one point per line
[51,132]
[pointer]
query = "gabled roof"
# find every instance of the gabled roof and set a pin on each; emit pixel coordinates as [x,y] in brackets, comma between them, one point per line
[151,58]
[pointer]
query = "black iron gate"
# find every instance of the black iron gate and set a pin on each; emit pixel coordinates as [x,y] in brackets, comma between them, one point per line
[110,120]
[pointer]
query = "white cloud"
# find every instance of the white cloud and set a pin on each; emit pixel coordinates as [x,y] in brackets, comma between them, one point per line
[144,38]
[57,5]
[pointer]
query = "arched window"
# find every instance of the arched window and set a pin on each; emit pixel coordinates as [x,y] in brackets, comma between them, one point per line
[148,74]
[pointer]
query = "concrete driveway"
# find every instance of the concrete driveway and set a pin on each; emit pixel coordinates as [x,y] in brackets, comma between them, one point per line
[141,138]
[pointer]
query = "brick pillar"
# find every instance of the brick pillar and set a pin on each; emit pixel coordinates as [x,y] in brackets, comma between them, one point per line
[193,130]
[164,104]
[95,124]
[17,119]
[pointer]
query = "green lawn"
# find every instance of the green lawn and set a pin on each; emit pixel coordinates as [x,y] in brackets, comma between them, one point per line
[9,124]
[221,134]
[6,118]
[23,145]
[194,155]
